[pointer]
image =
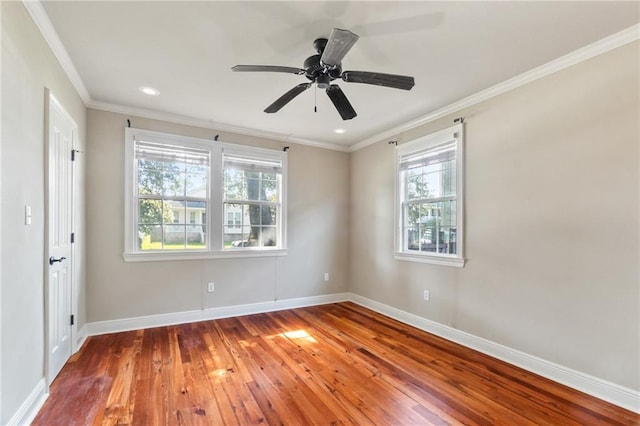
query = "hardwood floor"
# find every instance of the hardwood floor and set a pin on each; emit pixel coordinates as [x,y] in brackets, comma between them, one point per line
[330,364]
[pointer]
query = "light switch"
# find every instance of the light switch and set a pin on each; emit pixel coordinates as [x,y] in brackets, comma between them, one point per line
[27,215]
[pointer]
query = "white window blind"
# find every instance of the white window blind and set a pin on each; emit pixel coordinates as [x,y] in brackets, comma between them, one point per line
[427,157]
[151,151]
[248,164]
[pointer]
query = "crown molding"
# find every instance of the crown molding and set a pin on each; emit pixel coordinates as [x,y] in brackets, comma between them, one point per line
[40,18]
[209,124]
[590,51]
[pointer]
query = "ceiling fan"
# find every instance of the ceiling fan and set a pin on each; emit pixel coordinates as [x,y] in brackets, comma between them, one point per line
[325,67]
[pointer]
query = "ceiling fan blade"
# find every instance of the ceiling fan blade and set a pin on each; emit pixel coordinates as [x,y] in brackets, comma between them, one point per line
[267,68]
[388,80]
[287,97]
[341,102]
[338,45]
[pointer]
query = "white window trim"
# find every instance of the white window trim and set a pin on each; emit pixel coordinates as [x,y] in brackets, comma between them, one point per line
[446,135]
[214,220]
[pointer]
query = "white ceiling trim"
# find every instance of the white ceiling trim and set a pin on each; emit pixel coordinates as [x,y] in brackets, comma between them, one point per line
[208,124]
[597,48]
[39,16]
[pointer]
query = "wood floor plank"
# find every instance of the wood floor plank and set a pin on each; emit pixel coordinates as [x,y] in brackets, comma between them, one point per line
[331,364]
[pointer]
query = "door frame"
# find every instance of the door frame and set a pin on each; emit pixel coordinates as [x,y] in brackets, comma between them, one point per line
[52,102]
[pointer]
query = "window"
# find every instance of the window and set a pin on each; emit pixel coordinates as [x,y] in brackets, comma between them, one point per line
[180,187]
[170,180]
[252,196]
[430,199]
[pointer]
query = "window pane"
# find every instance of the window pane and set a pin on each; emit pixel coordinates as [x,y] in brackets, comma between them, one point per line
[269,191]
[438,222]
[149,237]
[150,211]
[177,211]
[448,212]
[412,238]
[413,215]
[414,183]
[268,236]
[252,229]
[174,237]
[253,189]
[196,185]
[431,227]
[149,181]
[268,215]
[234,185]
[449,178]
[198,169]
[196,239]
[233,230]
[173,182]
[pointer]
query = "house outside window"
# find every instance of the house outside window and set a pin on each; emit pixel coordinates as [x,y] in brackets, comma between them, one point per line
[179,188]
[429,205]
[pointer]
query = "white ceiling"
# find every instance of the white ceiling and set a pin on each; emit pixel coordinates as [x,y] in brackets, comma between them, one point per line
[186,49]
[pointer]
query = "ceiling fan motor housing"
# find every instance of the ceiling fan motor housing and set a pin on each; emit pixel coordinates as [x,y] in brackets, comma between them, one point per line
[318,72]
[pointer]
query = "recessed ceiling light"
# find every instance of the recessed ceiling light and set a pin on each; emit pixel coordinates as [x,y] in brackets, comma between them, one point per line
[339,131]
[149,90]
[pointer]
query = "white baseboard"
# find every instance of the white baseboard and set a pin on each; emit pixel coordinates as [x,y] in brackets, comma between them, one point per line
[610,392]
[30,407]
[128,324]
[81,337]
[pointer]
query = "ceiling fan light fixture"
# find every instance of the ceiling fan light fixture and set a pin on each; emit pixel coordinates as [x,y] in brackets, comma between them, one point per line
[323,81]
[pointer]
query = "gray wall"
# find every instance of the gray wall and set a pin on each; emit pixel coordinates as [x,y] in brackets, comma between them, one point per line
[318,239]
[28,66]
[552,222]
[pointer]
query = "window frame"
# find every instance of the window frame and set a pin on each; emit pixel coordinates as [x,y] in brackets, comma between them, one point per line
[452,134]
[213,214]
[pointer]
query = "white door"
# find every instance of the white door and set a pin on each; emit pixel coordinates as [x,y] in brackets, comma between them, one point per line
[60,142]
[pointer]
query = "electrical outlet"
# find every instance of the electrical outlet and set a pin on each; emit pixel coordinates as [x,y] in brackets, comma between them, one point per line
[426,295]
[326,276]
[211,287]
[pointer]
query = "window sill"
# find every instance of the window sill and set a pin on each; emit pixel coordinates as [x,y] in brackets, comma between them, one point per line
[435,260]
[197,255]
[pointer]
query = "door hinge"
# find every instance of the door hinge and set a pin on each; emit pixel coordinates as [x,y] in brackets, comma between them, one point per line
[73,154]
[72,319]
[73,237]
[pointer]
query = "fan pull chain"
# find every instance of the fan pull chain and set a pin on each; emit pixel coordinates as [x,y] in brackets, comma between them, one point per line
[315,99]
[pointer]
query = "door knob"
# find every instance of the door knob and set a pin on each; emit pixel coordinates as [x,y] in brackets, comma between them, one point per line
[53,260]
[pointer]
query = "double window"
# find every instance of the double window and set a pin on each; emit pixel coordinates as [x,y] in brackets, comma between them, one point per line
[429,198]
[192,198]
